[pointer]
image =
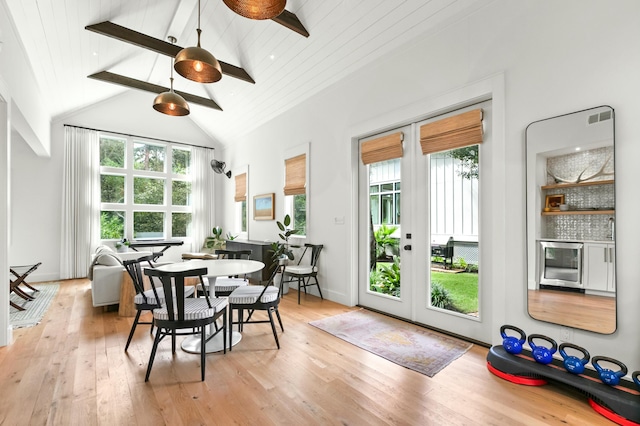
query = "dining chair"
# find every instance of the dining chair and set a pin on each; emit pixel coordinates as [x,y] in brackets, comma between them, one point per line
[251,298]
[14,285]
[224,286]
[303,272]
[145,299]
[185,316]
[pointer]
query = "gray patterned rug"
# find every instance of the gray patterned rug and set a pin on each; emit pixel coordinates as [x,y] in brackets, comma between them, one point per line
[411,346]
[34,309]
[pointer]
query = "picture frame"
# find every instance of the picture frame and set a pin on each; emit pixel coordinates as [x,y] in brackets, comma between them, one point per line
[263,206]
[552,202]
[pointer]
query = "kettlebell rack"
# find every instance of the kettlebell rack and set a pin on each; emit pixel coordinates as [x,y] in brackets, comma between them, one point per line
[620,403]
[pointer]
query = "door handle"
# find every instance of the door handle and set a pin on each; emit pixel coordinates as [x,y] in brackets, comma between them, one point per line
[407,247]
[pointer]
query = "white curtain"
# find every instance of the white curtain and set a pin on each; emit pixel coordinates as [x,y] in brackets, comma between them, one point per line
[203,217]
[80,201]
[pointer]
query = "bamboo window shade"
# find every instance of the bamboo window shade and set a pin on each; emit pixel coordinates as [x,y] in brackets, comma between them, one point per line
[381,149]
[241,187]
[453,132]
[295,175]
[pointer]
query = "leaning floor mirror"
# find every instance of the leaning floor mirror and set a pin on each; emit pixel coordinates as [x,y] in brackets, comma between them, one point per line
[571,223]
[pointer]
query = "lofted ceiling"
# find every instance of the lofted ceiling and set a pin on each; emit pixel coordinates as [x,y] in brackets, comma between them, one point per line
[344,35]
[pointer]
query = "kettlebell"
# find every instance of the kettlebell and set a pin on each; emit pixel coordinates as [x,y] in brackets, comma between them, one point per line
[636,378]
[512,344]
[542,354]
[572,363]
[608,376]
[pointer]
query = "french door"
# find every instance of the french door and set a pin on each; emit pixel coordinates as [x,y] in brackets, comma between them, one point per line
[420,226]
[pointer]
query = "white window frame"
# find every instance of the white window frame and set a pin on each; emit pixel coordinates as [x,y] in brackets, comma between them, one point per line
[288,199]
[128,171]
[237,215]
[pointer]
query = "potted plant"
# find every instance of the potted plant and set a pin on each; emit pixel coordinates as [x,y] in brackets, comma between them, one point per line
[281,250]
[122,246]
[217,241]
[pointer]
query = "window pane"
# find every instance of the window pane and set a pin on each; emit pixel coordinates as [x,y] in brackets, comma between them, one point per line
[244,216]
[181,193]
[397,186]
[148,157]
[148,191]
[397,218]
[111,225]
[387,186]
[148,225]
[181,224]
[375,209]
[112,152]
[181,161]
[112,189]
[300,214]
[387,208]
[373,189]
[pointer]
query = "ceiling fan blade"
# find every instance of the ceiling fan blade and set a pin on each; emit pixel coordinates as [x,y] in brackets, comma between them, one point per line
[121,33]
[110,77]
[291,21]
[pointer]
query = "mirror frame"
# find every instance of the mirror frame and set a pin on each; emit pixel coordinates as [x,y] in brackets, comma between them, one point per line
[535,204]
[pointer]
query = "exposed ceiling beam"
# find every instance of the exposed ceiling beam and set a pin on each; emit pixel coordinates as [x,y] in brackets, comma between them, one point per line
[291,21]
[118,32]
[110,77]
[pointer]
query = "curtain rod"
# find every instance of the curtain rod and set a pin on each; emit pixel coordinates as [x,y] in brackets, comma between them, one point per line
[138,136]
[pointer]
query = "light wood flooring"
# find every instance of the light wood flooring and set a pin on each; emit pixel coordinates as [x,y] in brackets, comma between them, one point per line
[71,369]
[575,310]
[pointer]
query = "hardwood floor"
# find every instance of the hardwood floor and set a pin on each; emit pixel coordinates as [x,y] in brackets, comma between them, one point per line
[72,369]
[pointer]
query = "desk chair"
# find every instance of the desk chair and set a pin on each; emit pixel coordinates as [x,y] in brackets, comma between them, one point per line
[256,298]
[192,315]
[302,272]
[145,300]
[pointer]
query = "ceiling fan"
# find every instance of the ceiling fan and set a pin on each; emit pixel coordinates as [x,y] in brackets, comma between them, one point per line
[218,167]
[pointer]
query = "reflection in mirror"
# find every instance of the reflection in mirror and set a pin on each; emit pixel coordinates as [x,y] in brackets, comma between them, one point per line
[571,220]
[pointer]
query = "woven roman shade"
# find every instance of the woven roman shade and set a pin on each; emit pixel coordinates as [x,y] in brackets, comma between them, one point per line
[382,149]
[241,187]
[453,132]
[295,175]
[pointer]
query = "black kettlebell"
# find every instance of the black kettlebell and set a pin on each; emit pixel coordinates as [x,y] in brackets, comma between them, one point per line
[636,378]
[512,344]
[572,363]
[607,375]
[542,354]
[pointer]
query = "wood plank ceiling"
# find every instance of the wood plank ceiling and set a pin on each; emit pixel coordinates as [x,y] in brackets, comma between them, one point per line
[344,35]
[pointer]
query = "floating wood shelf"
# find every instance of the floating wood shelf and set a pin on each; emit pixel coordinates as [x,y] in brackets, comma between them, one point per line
[573,185]
[559,213]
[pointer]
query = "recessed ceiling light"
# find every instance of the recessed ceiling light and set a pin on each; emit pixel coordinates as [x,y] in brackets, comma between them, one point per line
[95,53]
[577,148]
[272,57]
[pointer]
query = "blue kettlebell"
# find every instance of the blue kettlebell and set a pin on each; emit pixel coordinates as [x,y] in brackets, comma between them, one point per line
[609,376]
[512,344]
[572,363]
[542,354]
[636,378]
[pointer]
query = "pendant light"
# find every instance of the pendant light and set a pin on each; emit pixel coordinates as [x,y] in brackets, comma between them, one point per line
[257,9]
[170,102]
[195,63]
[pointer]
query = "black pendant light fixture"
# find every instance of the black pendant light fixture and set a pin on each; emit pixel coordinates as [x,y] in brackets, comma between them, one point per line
[195,63]
[170,102]
[257,9]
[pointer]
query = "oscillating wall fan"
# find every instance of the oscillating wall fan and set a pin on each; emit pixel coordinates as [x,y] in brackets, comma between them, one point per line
[218,167]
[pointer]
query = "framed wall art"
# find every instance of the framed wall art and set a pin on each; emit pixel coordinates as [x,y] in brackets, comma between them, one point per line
[263,206]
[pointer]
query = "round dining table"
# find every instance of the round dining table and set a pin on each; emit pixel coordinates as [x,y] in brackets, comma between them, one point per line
[215,268]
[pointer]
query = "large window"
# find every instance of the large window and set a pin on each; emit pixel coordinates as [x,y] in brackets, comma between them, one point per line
[145,189]
[384,192]
[295,189]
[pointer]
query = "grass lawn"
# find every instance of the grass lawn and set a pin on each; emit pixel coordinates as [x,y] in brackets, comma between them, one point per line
[462,287]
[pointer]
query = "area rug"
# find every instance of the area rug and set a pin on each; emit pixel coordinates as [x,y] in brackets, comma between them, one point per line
[405,344]
[34,309]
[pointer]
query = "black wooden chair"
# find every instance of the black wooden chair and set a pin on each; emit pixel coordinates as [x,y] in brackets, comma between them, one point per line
[14,285]
[224,286]
[303,272]
[251,298]
[185,316]
[145,300]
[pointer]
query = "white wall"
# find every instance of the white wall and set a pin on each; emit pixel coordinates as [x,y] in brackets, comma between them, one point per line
[557,57]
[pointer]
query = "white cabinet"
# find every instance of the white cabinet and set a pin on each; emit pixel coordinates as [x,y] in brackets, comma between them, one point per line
[599,266]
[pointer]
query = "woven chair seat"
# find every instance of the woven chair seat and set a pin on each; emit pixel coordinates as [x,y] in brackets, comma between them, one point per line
[151,297]
[249,294]
[194,309]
